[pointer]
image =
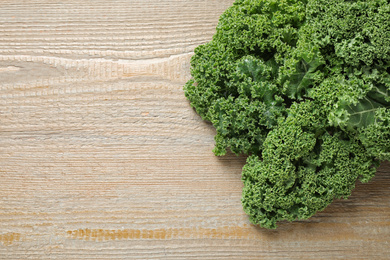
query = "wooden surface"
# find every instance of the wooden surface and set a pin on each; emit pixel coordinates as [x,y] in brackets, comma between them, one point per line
[102,157]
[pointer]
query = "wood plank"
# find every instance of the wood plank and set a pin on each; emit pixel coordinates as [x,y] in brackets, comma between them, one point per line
[102,156]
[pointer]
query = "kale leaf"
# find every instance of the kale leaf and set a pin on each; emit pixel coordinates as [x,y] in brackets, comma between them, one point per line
[303,88]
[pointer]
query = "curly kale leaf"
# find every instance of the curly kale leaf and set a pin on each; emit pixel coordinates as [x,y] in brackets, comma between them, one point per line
[302,170]
[376,136]
[303,88]
[353,32]
[290,189]
[235,81]
[301,71]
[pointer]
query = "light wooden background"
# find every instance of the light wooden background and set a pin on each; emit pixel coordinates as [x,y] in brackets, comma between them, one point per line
[102,157]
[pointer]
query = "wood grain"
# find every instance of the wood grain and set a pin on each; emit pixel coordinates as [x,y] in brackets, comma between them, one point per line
[102,157]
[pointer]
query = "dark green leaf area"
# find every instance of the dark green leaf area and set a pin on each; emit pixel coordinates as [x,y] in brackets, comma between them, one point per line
[357,114]
[301,72]
[358,32]
[300,174]
[256,69]
[376,137]
[351,100]
[242,124]
[243,119]
[256,80]
[303,168]
[211,68]
[261,26]
[295,136]
[363,113]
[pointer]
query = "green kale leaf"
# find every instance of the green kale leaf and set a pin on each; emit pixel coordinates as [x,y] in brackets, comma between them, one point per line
[303,88]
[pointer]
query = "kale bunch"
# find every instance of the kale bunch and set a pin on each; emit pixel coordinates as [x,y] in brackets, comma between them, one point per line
[303,88]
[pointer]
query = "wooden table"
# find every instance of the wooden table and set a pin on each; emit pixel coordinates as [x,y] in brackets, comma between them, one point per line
[102,157]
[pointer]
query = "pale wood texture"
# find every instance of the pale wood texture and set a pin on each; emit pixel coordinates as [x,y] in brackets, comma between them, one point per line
[102,157]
